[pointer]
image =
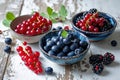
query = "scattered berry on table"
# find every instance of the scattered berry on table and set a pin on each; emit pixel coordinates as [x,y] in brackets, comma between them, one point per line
[98,68]
[66,28]
[49,70]
[8,41]
[24,43]
[7,49]
[30,58]
[108,58]
[94,59]
[114,43]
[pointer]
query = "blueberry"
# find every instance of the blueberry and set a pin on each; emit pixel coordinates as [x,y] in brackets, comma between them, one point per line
[8,40]
[47,48]
[70,36]
[66,41]
[60,38]
[70,54]
[54,29]
[79,50]
[59,33]
[7,49]
[51,52]
[55,48]
[59,28]
[74,46]
[61,54]
[55,39]
[48,39]
[49,70]
[50,43]
[83,44]
[66,49]
[76,41]
[60,44]
[114,43]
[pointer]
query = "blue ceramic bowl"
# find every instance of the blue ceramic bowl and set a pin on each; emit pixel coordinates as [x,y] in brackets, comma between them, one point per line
[63,60]
[95,36]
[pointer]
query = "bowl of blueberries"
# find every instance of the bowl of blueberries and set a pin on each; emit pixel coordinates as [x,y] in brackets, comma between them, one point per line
[64,47]
[94,24]
[30,27]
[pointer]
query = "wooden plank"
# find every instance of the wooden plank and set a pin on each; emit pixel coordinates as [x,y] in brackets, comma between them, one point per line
[16,70]
[13,6]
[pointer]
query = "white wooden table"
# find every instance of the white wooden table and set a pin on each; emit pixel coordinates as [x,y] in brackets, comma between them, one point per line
[12,67]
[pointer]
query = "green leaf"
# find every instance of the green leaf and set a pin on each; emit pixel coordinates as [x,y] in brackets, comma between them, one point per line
[53,20]
[10,16]
[6,22]
[63,11]
[44,15]
[64,33]
[49,10]
[54,15]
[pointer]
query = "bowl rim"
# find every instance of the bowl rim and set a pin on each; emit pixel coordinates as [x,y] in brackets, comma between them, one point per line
[113,19]
[26,19]
[64,58]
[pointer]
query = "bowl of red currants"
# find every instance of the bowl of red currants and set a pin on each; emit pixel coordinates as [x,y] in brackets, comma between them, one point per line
[64,47]
[30,27]
[94,24]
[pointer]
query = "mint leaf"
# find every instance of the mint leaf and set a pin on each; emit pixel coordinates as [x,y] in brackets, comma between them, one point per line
[6,22]
[49,10]
[44,15]
[54,15]
[64,33]
[10,16]
[63,11]
[54,20]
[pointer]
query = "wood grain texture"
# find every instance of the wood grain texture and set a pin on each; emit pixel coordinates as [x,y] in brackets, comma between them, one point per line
[5,6]
[16,70]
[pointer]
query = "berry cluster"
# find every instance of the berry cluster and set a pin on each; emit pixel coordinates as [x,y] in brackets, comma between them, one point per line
[34,26]
[69,46]
[91,21]
[7,48]
[98,60]
[30,58]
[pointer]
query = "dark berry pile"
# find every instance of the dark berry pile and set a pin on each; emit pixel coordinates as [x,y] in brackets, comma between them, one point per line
[98,61]
[108,58]
[98,68]
[34,26]
[91,21]
[69,46]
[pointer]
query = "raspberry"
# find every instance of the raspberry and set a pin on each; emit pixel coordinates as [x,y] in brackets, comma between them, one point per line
[98,68]
[108,58]
[93,59]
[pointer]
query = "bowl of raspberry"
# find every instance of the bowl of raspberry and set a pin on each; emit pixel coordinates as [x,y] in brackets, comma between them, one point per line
[94,24]
[64,47]
[30,28]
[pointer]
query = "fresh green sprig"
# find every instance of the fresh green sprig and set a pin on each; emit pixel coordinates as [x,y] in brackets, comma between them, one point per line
[8,19]
[64,33]
[54,15]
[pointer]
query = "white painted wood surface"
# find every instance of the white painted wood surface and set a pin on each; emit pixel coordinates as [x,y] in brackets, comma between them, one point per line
[16,70]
